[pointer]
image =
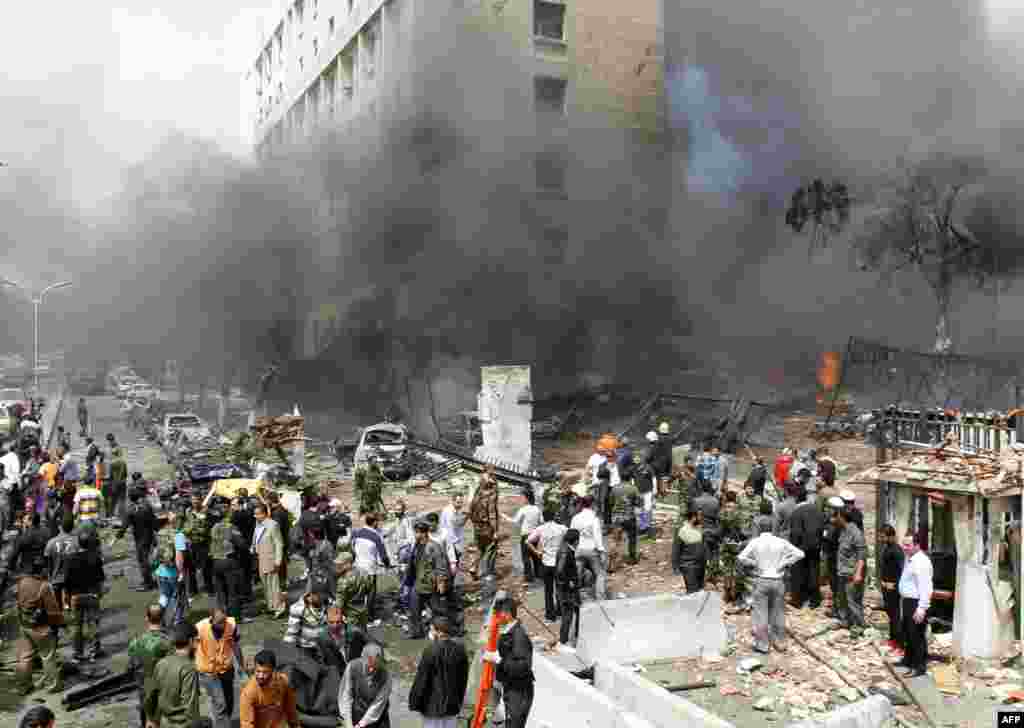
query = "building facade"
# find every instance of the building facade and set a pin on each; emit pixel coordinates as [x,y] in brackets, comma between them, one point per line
[333,65]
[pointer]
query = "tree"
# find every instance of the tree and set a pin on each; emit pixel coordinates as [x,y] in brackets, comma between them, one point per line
[916,222]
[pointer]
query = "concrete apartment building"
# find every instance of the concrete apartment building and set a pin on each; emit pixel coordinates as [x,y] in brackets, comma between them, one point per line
[330,65]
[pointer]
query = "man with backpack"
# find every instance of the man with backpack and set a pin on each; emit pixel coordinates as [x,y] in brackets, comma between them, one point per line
[169,562]
[197,533]
[226,543]
[39,615]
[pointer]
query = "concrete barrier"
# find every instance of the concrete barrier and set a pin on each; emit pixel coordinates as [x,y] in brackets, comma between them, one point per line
[563,701]
[872,712]
[652,628]
[631,692]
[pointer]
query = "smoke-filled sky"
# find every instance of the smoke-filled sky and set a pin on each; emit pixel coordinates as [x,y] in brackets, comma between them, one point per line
[199,251]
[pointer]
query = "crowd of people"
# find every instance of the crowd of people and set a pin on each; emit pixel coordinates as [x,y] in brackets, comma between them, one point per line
[776,538]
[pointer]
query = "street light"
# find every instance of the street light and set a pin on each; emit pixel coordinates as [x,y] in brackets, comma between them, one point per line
[37,301]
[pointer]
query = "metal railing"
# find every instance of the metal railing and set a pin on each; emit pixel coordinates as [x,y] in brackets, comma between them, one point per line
[972,430]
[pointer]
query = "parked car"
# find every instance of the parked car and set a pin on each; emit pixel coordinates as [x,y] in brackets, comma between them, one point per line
[184,422]
[390,444]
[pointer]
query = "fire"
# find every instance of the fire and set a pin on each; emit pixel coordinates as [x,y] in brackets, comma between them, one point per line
[828,373]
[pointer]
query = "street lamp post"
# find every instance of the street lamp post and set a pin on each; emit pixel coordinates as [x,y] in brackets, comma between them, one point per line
[37,301]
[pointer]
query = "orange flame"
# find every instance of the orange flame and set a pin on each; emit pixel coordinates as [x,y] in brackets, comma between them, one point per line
[828,371]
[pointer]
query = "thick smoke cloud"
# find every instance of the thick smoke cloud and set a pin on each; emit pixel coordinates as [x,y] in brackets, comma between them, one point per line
[766,96]
[440,257]
[668,253]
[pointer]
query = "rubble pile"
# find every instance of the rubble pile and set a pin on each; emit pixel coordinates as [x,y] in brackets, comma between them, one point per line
[985,472]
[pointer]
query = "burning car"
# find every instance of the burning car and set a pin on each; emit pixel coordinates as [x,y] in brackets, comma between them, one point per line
[389,443]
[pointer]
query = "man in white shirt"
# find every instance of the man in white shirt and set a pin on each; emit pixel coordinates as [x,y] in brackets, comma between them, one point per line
[371,558]
[453,522]
[12,468]
[769,556]
[916,585]
[527,518]
[544,541]
[596,461]
[590,554]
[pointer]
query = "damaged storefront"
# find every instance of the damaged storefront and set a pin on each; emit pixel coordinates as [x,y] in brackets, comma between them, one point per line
[965,502]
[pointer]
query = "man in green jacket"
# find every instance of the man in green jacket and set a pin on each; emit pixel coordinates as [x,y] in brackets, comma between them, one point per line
[117,488]
[172,699]
[429,576]
[145,651]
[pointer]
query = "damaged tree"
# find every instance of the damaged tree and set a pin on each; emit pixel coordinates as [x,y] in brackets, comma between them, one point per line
[920,223]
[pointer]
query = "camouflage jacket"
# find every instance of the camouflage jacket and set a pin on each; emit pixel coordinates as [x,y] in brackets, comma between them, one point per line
[197,528]
[731,523]
[353,590]
[145,651]
[749,509]
[483,511]
[625,501]
[225,541]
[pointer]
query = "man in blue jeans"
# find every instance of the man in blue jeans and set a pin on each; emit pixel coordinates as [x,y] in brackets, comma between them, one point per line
[170,572]
[218,650]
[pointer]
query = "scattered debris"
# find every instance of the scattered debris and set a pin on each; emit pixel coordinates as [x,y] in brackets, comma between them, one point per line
[748,665]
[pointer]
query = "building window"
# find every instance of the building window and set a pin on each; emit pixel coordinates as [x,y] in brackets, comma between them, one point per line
[556,244]
[549,95]
[316,47]
[349,7]
[549,20]
[330,26]
[298,10]
[302,63]
[550,169]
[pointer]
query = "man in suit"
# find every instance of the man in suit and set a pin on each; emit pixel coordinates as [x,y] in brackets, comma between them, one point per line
[268,545]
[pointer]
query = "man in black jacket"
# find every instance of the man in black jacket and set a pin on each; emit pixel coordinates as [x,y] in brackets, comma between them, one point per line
[806,526]
[243,519]
[441,678]
[342,643]
[84,584]
[514,664]
[283,520]
[567,579]
[707,503]
[141,519]
[28,547]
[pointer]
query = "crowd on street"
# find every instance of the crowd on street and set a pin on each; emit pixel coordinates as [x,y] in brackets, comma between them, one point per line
[776,539]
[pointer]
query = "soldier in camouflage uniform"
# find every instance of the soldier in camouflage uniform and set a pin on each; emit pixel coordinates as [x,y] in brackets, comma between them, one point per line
[626,504]
[39,615]
[734,535]
[227,544]
[353,592]
[145,651]
[483,512]
[749,505]
[197,532]
[369,483]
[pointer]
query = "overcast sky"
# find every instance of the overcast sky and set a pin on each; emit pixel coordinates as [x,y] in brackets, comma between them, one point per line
[119,74]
